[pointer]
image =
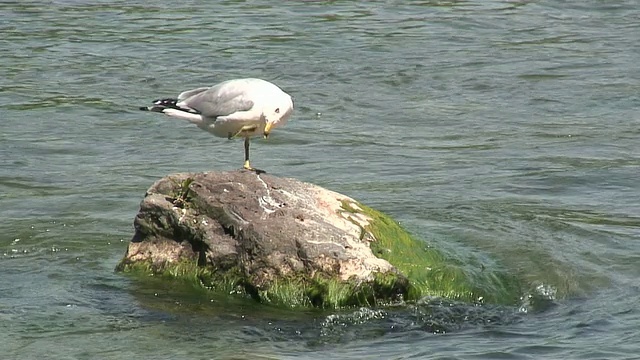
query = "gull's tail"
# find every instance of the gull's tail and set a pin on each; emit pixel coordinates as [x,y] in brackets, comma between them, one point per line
[170,107]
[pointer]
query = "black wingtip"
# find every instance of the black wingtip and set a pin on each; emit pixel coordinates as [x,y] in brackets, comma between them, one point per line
[161,104]
[169,103]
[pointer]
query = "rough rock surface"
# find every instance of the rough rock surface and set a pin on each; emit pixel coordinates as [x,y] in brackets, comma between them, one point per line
[264,228]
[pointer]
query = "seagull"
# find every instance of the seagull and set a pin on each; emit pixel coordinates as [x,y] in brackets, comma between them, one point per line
[231,109]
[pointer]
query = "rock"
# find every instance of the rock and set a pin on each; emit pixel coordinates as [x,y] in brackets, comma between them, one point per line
[287,242]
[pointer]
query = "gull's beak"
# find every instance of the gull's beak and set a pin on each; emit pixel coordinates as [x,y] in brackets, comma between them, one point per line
[267,129]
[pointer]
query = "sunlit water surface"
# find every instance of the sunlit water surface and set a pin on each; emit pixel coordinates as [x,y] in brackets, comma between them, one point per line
[506,131]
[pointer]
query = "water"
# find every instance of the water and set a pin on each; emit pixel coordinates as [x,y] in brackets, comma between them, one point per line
[503,132]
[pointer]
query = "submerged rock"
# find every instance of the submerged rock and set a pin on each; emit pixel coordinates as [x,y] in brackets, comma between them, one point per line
[287,242]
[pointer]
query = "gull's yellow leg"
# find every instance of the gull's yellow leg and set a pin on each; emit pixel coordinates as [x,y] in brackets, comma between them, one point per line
[246,154]
[247,165]
[243,129]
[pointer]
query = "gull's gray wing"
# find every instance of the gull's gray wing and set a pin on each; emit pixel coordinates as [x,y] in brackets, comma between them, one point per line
[220,100]
[189,93]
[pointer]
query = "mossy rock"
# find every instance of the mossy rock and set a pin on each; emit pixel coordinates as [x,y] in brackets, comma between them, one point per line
[288,243]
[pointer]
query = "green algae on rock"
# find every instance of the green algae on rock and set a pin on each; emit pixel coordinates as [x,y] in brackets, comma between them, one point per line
[290,243]
[429,271]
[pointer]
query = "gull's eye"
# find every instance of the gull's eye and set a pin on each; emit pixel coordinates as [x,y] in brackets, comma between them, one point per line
[278,111]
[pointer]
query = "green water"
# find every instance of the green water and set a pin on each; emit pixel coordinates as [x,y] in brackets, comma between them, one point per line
[498,131]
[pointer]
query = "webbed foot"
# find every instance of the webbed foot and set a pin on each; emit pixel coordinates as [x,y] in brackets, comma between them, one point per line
[247,166]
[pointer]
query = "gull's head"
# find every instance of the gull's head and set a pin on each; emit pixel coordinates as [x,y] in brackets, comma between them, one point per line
[277,112]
